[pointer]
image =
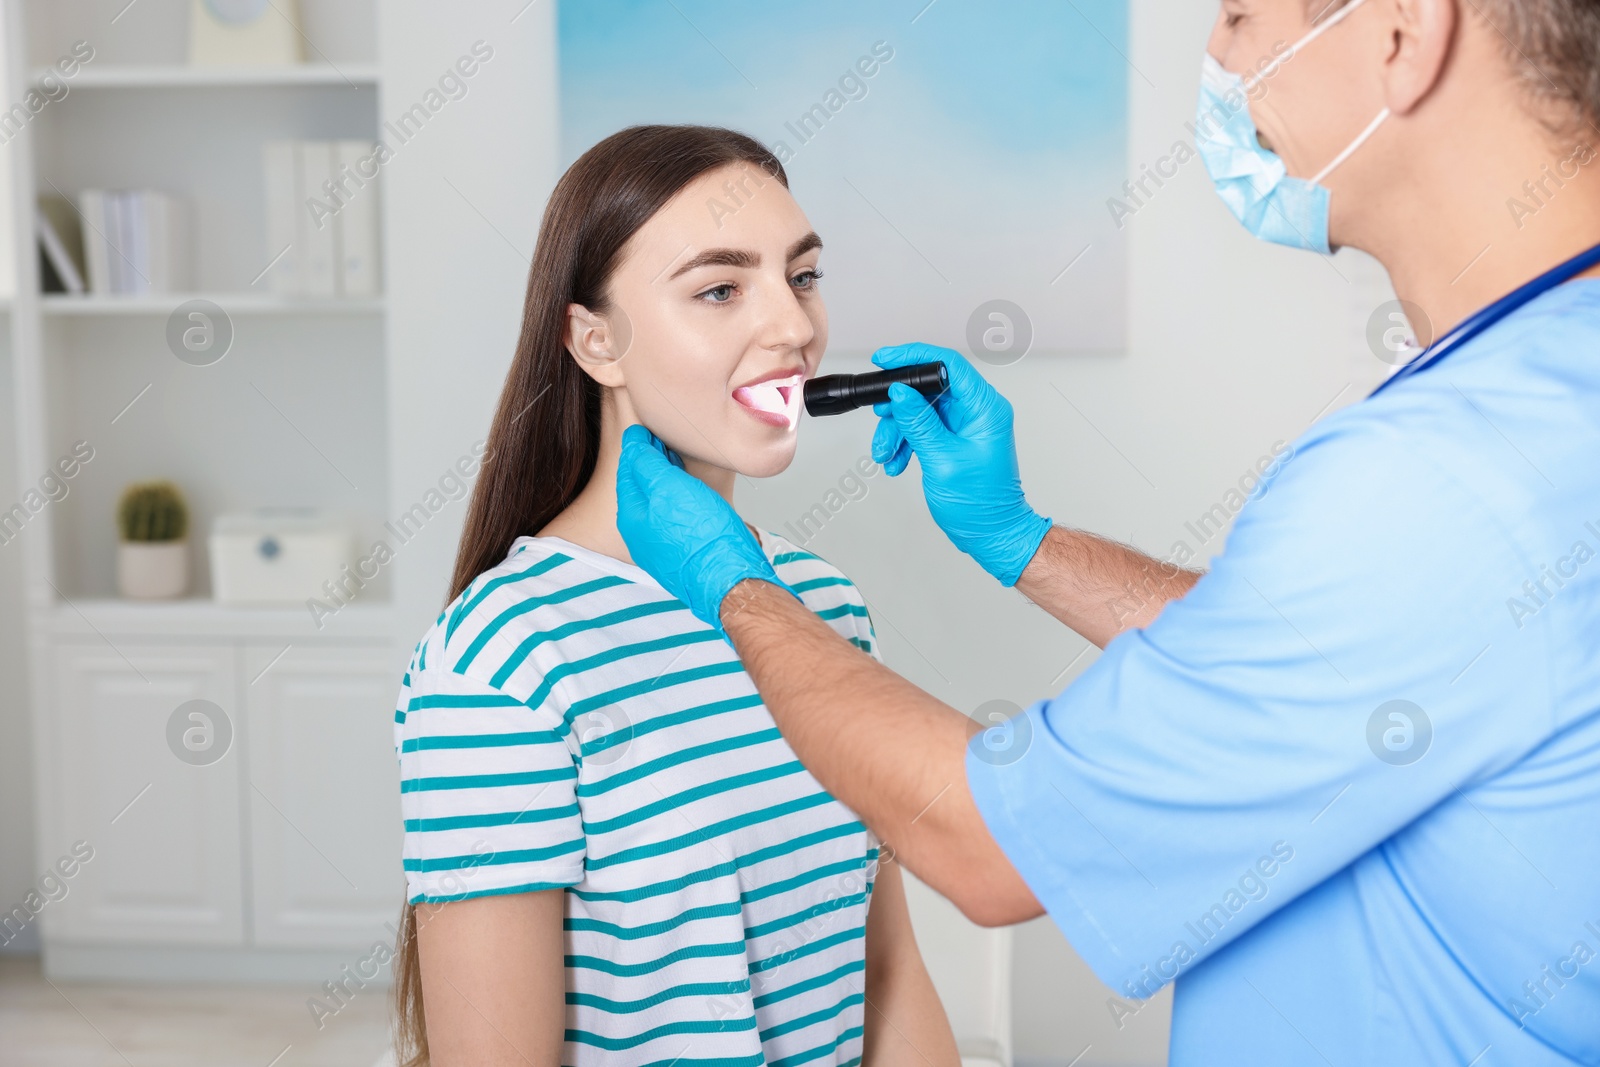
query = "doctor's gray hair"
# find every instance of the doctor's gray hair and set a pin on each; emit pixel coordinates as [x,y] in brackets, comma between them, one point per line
[1553,46]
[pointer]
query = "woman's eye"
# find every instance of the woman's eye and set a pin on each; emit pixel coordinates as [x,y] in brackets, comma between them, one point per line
[806,279]
[708,297]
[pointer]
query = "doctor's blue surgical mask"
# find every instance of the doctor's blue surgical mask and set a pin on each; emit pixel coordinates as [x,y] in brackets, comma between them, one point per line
[1252,181]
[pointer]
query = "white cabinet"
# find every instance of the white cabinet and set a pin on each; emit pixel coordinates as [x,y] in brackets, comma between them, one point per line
[165,833]
[280,844]
[324,795]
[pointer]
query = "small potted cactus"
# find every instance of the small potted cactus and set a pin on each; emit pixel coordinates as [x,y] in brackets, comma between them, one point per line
[153,550]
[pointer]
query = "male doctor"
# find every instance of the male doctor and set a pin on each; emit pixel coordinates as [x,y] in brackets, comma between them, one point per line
[1345,787]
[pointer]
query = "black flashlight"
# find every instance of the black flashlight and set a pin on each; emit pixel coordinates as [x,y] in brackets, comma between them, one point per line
[834,394]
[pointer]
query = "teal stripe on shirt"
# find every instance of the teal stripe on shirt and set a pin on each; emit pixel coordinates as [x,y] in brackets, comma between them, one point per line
[688,989]
[470,600]
[674,759]
[699,711]
[511,740]
[487,781]
[578,626]
[820,583]
[655,929]
[722,870]
[689,796]
[805,914]
[815,982]
[802,1021]
[716,829]
[683,1026]
[664,681]
[523,607]
[820,1051]
[809,948]
[856,863]
[611,656]
[491,818]
[493,859]
[473,894]
[464,700]
[633,970]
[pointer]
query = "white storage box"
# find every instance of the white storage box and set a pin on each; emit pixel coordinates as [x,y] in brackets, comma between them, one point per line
[276,556]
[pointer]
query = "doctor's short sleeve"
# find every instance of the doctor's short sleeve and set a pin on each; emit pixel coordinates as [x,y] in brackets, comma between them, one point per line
[1346,665]
[487,791]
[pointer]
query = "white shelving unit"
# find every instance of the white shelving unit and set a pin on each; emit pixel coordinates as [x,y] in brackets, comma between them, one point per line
[234,303]
[279,858]
[168,76]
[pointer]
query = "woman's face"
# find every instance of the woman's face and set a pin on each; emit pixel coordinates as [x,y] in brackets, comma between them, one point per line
[716,322]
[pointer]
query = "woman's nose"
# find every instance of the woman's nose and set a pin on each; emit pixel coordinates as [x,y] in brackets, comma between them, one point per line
[784,323]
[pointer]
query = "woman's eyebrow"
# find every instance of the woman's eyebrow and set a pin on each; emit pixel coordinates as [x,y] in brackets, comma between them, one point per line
[804,245]
[742,257]
[719,257]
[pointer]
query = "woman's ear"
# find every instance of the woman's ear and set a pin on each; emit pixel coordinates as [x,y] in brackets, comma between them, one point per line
[599,342]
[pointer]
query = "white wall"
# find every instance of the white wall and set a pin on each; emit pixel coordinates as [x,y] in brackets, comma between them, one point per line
[463,200]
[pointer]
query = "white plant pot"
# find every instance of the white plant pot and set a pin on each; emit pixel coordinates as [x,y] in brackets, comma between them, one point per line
[152,570]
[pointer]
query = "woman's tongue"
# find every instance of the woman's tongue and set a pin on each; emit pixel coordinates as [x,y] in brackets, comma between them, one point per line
[774,396]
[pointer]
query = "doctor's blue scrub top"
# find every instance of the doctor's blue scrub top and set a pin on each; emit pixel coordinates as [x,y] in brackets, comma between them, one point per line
[1347,790]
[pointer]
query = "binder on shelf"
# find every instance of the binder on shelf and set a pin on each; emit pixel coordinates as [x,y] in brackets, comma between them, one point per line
[280,168]
[60,244]
[136,241]
[321,209]
[96,250]
[318,232]
[357,221]
[136,234]
[153,237]
[116,237]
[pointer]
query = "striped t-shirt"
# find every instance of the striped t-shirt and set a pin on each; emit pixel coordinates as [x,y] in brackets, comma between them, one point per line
[568,723]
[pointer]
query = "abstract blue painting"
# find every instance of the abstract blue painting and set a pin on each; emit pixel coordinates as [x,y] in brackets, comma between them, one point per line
[956,156]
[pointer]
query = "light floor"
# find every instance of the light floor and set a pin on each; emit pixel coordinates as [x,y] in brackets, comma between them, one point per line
[82,1024]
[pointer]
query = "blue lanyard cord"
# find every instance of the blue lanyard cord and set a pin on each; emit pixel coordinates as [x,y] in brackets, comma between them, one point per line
[1487,317]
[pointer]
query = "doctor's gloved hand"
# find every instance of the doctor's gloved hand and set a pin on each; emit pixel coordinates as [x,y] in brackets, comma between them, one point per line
[964,444]
[680,530]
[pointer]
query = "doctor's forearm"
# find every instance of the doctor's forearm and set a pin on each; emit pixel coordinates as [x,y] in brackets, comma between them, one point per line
[1100,587]
[889,751]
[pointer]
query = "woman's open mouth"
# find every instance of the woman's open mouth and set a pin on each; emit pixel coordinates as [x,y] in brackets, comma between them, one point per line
[775,401]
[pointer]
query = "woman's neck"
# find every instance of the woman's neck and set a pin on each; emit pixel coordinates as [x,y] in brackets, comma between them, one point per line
[590,521]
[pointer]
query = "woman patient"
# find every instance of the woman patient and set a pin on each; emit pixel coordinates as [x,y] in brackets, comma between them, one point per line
[612,856]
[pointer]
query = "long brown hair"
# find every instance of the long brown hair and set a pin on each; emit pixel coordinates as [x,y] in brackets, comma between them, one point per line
[545,436]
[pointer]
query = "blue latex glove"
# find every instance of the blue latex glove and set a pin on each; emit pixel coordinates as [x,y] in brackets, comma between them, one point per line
[964,443]
[680,531]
